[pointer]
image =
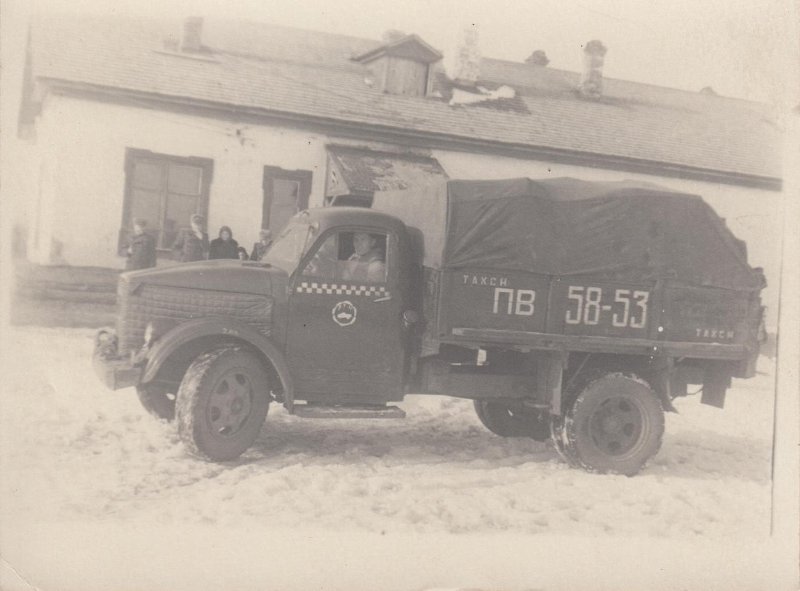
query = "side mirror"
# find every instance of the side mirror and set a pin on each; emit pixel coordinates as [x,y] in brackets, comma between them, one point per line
[410,317]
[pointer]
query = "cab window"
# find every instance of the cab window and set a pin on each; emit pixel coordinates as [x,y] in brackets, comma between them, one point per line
[353,256]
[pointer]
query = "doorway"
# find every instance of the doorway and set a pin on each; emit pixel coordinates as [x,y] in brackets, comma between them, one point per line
[285,193]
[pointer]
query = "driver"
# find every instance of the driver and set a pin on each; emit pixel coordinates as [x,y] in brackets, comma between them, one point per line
[366,263]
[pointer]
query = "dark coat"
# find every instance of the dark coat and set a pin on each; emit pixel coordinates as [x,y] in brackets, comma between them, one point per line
[259,250]
[188,247]
[223,249]
[141,252]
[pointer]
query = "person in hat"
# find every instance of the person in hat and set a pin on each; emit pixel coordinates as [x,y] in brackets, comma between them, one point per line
[141,247]
[224,247]
[191,243]
[261,247]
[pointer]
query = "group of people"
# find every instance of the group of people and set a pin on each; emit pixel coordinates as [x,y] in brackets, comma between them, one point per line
[192,244]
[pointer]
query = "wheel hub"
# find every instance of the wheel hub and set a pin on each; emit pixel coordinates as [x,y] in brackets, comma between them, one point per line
[611,424]
[230,403]
[616,426]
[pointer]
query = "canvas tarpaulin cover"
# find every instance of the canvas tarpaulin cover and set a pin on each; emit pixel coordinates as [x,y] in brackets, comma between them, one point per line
[620,230]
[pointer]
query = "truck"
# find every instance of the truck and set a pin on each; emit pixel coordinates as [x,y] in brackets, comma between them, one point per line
[566,310]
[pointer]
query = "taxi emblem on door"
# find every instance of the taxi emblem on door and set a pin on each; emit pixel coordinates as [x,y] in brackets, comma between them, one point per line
[344,313]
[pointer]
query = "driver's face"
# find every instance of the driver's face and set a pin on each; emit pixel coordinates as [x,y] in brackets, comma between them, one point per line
[363,243]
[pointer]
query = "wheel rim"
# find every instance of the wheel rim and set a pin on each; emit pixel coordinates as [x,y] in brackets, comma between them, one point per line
[617,426]
[230,403]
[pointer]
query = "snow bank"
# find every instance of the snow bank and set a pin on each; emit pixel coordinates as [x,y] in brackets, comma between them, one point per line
[151,556]
[88,478]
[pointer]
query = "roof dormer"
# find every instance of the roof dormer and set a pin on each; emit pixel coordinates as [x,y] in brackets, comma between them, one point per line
[402,66]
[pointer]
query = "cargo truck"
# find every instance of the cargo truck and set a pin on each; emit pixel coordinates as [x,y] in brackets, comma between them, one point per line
[567,310]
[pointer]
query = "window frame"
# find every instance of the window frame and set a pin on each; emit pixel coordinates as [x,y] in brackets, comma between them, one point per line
[132,155]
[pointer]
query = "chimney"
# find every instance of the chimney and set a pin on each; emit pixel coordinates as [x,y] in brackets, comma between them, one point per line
[391,35]
[538,58]
[592,75]
[192,39]
[465,64]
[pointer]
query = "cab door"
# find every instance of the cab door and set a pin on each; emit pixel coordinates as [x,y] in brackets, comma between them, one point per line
[345,341]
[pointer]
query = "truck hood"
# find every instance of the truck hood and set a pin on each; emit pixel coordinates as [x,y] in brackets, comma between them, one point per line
[219,275]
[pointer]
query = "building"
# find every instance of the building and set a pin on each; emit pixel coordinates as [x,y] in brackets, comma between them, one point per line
[248,123]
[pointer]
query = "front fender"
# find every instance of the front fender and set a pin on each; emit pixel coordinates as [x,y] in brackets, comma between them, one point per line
[173,340]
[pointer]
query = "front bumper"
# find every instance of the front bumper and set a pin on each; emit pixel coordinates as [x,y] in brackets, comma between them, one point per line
[115,372]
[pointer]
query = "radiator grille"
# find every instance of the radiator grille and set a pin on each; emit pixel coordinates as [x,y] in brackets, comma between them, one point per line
[150,302]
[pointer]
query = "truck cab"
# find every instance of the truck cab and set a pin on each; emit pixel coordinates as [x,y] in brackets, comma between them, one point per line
[324,325]
[349,312]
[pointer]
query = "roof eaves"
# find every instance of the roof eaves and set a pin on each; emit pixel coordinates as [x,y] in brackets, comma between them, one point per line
[433,139]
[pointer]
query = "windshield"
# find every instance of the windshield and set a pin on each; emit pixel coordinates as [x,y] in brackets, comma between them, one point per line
[287,250]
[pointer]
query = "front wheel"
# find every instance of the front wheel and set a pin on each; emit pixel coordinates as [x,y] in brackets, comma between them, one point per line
[614,425]
[158,400]
[222,403]
[512,419]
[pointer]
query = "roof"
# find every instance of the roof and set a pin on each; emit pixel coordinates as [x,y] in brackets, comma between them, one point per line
[366,171]
[312,76]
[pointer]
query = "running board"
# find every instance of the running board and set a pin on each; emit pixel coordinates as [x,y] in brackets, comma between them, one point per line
[317,411]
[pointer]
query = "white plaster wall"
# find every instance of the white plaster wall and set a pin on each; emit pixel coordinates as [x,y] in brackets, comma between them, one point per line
[83,148]
[83,196]
[45,208]
[753,215]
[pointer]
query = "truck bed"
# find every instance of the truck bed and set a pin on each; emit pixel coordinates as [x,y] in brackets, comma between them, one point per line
[588,314]
[561,263]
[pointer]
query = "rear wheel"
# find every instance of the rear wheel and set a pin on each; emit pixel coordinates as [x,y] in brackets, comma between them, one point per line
[158,400]
[222,403]
[614,425]
[512,419]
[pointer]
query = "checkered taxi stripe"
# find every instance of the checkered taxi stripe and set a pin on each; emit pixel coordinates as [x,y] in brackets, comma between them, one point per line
[341,289]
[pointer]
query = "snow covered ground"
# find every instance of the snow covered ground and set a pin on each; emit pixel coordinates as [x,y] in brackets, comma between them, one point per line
[95,493]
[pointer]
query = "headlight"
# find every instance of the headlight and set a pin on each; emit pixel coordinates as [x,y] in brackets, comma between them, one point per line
[149,334]
[156,329]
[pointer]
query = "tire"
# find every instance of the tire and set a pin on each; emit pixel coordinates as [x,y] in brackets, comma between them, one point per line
[222,403]
[157,400]
[510,419]
[615,425]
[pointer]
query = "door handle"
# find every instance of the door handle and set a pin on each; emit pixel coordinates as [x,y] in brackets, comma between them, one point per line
[383,299]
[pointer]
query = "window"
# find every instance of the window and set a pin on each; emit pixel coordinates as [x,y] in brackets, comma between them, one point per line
[285,193]
[405,76]
[165,191]
[350,256]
